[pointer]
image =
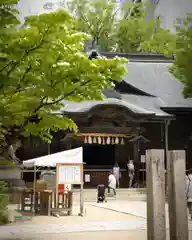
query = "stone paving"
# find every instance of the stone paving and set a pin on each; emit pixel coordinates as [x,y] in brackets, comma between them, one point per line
[135,208]
[124,217]
[103,235]
[95,220]
[23,229]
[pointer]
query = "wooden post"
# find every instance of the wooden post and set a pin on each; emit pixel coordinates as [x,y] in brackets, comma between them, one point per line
[178,219]
[155,169]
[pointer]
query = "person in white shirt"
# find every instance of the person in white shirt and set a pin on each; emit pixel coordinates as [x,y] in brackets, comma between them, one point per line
[112,183]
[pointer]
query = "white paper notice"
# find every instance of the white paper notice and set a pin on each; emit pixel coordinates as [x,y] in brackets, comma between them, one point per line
[69,175]
[87,178]
[143,160]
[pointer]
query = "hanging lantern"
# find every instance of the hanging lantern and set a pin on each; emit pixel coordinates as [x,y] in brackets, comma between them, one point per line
[94,140]
[103,142]
[116,140]
[108,140]
[112,141]
[85,140]
[122,141]
[99,140]
[89,140]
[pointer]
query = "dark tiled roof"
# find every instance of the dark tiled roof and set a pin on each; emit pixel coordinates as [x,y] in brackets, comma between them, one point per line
[155,79]
[150,74]
[138,105]
[85,106]
[148,103]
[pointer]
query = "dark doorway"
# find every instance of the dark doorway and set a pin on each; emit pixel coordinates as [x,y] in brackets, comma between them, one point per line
[101,155]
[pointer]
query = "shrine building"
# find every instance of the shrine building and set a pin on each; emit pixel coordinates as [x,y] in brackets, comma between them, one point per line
[145,111]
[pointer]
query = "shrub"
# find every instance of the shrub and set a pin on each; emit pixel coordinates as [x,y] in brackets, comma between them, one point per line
[4,200]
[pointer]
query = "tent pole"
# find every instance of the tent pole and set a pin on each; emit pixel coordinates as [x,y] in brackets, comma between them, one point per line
[34,186]
[81,200]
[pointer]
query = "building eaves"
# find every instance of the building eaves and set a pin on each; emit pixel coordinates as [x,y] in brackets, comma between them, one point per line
[140,57]
[86,106]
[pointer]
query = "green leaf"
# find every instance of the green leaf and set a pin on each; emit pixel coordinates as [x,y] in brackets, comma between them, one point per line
[44,65]
[181,68]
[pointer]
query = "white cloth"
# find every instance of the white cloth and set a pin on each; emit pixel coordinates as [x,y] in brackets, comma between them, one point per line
[189,187]
[72,156]
[112,181]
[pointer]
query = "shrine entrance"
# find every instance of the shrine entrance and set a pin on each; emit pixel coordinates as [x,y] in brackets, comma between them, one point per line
[102,155]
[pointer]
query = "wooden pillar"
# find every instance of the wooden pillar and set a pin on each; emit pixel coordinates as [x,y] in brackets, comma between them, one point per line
[156,229]
[136,159]
[166,143]
[178,219]
[166,148]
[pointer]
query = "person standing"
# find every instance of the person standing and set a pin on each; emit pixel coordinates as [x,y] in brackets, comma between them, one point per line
[189,191]
[111,183]
[117,173]
[131,172]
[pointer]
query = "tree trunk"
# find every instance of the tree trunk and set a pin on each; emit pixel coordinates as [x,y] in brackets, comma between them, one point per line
[8,152]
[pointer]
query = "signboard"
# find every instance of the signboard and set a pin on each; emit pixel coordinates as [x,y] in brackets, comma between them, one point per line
[87,177]
[69,174]
[143,160]
[67,187]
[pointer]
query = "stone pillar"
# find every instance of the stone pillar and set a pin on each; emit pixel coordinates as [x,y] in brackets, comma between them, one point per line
[155,169]
[177,195]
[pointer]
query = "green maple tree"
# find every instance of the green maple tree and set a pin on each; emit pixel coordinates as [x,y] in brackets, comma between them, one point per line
[44,64]
[181,68]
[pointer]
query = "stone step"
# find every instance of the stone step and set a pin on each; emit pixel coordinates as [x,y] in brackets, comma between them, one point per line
[122,194]
[120,190]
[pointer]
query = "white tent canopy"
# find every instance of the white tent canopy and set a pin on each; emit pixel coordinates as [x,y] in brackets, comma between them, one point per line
[73,156]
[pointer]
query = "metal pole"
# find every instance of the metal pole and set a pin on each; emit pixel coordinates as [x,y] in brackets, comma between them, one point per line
[166,142]
[48,148]
[143,174]
[166,150]
[138,162]
[135,159]
[81,201]
[34,188]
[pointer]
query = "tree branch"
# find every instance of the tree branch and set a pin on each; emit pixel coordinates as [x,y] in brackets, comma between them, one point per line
[15,131]
[26,54]
[6,65]
[18,88]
